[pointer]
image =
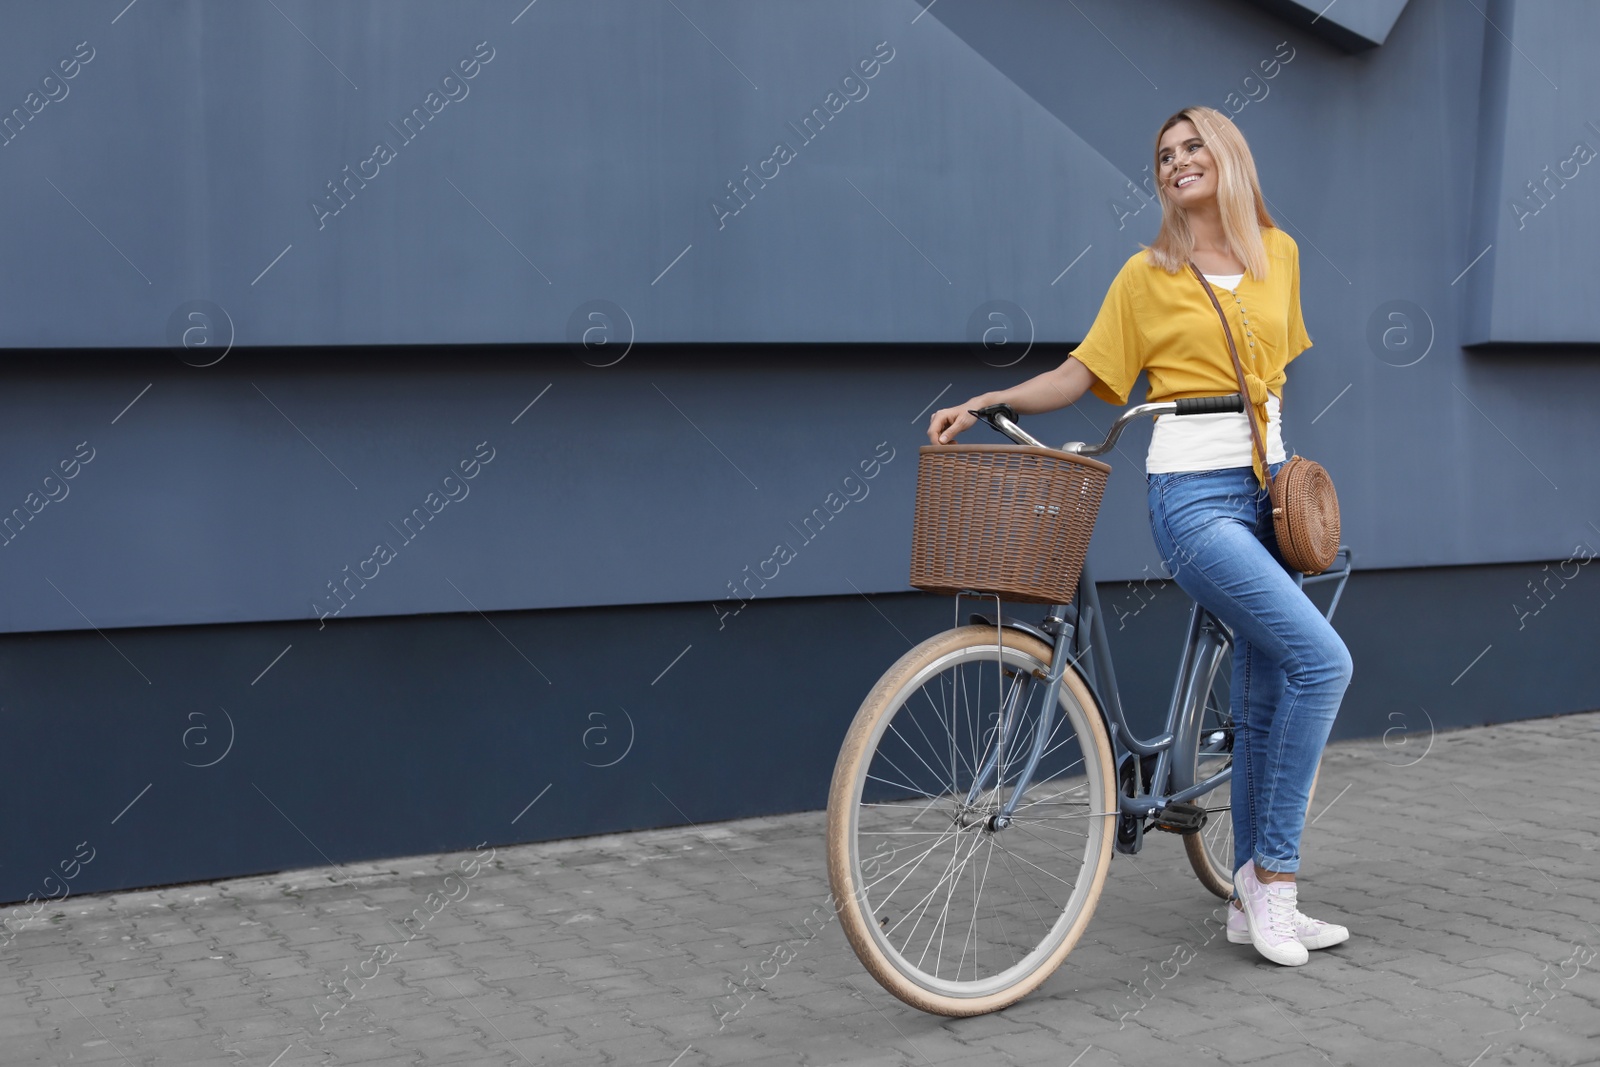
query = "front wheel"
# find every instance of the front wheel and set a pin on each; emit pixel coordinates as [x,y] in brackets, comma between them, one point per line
[951,907]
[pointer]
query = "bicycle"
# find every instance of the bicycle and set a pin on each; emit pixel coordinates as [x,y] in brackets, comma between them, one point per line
[990,774]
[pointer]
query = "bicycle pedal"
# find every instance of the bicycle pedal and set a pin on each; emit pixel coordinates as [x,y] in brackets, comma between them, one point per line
[1181,818]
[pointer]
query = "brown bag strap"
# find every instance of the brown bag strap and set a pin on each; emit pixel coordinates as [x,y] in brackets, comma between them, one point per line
[1238,368]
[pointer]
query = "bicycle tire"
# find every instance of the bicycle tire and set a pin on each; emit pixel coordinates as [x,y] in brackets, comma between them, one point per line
[1023,935]
[1210,849]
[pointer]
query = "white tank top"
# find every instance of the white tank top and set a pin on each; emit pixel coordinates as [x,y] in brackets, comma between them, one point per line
[1211,442]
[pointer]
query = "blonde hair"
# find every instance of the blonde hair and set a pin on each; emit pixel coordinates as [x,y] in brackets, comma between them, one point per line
[1238,197]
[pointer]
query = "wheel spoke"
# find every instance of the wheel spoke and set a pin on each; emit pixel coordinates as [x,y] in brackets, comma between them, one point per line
[902,785]
[913,864]
[944,912]
[972,924]
[1051,797]
[938,775]
[1035,866]
[929,895]
[1059,830]
[1006,856]
[1074,856]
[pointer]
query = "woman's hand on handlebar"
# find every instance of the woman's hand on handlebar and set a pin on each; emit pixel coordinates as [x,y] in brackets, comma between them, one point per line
[1044,392]
[948,423]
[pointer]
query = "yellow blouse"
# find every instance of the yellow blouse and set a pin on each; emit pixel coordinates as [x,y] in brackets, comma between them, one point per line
[1165,325]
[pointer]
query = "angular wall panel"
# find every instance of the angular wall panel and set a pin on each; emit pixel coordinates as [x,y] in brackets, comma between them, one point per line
[351,190]
[1536,220]
[1353,25]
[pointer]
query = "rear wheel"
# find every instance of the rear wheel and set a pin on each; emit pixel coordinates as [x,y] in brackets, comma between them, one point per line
[1211,848]
[951,908]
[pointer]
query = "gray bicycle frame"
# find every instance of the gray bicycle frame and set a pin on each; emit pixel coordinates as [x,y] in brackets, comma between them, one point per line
[1065,629]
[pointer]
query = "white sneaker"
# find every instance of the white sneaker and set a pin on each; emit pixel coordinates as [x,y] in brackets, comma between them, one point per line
[1312,933]
[1269,909]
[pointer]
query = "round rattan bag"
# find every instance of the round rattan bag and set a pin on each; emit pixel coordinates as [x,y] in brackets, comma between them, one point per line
[1305,514]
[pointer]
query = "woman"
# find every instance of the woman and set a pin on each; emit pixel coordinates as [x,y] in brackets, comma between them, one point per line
[1209,509]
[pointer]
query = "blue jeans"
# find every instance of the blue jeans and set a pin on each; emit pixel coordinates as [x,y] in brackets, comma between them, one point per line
[1290,668]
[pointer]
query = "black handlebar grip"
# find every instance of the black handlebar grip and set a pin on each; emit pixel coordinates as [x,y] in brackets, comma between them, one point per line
[987,414]
[1210,405]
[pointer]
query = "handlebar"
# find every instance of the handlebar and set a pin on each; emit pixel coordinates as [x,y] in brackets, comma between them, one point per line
[1003,418]
[1210,405]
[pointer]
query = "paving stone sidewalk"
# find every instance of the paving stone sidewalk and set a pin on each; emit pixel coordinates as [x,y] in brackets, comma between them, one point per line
[1465,864]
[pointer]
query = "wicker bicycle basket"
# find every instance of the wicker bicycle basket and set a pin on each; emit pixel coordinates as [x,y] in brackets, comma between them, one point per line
[1008,519]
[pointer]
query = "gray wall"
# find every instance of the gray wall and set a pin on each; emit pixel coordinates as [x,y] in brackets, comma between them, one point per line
[250,399]
[987,157]
[400,736]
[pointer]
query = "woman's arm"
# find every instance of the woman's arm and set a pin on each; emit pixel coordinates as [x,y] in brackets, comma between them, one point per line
[1044,392]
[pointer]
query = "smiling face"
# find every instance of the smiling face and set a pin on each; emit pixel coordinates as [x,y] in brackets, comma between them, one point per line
[1184,165]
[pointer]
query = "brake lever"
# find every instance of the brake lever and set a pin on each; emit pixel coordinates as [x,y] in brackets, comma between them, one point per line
[987,414]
